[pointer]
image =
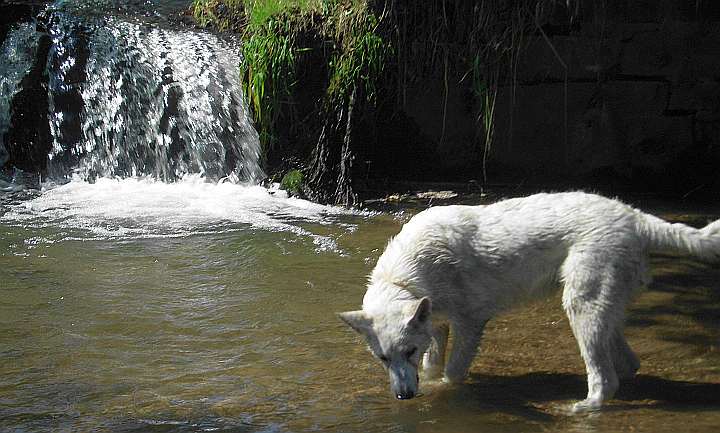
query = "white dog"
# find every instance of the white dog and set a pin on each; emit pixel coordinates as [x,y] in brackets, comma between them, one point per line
[457,266]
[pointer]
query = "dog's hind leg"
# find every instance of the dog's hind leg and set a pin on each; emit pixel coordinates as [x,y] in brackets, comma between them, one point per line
[434,358]
[625,361]
[594,300]
[593,338]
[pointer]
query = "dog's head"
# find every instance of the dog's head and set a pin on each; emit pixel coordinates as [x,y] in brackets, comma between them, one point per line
[397,337]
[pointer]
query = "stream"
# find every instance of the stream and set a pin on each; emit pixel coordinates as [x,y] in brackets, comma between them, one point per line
[148,283]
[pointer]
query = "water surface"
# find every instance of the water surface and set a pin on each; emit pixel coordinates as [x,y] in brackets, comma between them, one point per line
[142,312]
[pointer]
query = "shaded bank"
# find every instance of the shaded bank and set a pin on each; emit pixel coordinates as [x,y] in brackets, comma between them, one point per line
[359,95]
[356,98]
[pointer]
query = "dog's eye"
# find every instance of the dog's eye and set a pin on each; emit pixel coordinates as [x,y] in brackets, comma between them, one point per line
[411,352]
[384,359]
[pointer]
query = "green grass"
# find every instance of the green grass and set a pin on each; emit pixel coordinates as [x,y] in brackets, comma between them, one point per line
[222,14]
[360,58]
[292,181]
[268,29]
[263,10]
[268,69]
[271,49]
[249,15]
[365,46]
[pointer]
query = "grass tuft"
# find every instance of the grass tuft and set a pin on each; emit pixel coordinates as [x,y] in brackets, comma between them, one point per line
[292,182]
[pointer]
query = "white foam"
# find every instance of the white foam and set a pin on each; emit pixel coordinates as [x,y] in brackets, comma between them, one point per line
[139,208]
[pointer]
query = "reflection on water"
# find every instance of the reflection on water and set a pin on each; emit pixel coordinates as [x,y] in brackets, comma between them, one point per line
[234,329]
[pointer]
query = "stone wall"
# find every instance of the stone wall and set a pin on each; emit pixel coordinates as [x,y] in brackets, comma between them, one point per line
[631,93]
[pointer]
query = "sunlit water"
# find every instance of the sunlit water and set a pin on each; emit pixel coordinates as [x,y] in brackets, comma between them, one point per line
[139,306]
[208,304]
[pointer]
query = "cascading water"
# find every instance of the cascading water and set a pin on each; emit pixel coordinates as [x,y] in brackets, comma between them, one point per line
[18,53]
[148,131]
[152,102]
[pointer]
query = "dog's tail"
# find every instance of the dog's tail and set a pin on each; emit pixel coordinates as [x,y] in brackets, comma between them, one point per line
[663,236]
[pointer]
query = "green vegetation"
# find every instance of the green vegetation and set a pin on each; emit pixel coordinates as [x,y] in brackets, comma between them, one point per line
[314,68]
[292,182]
[360,52]
[272,44]
[222,14]
[269,28]
[247,15]
[278,37]
[268,73]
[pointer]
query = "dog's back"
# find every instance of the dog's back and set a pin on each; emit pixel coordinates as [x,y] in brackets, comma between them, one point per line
[519,247]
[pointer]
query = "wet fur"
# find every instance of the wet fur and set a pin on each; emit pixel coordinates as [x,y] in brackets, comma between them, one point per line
[455,267]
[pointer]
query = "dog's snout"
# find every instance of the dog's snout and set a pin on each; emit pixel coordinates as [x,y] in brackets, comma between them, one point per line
[403,380]
[405,395]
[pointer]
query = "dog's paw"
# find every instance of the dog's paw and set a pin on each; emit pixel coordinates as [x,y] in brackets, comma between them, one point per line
[587,405]
[431,374]
[453,380]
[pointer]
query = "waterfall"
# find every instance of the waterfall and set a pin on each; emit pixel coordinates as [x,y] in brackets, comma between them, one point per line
[18,53]
[139,130]
[129,97]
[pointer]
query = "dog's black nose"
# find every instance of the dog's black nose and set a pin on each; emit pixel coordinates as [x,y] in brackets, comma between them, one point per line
[405,396]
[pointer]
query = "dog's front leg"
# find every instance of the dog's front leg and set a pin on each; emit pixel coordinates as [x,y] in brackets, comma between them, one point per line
[434,358]
[466,339]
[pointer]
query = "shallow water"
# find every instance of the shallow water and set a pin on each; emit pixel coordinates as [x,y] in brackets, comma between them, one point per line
[157,316]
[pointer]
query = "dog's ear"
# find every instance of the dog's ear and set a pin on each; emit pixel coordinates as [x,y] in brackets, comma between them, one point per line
[357,320]
[422,312]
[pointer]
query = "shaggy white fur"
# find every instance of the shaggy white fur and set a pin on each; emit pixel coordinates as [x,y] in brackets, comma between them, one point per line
[467,263]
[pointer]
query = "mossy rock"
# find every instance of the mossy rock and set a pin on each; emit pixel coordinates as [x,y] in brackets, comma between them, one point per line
[292,182]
